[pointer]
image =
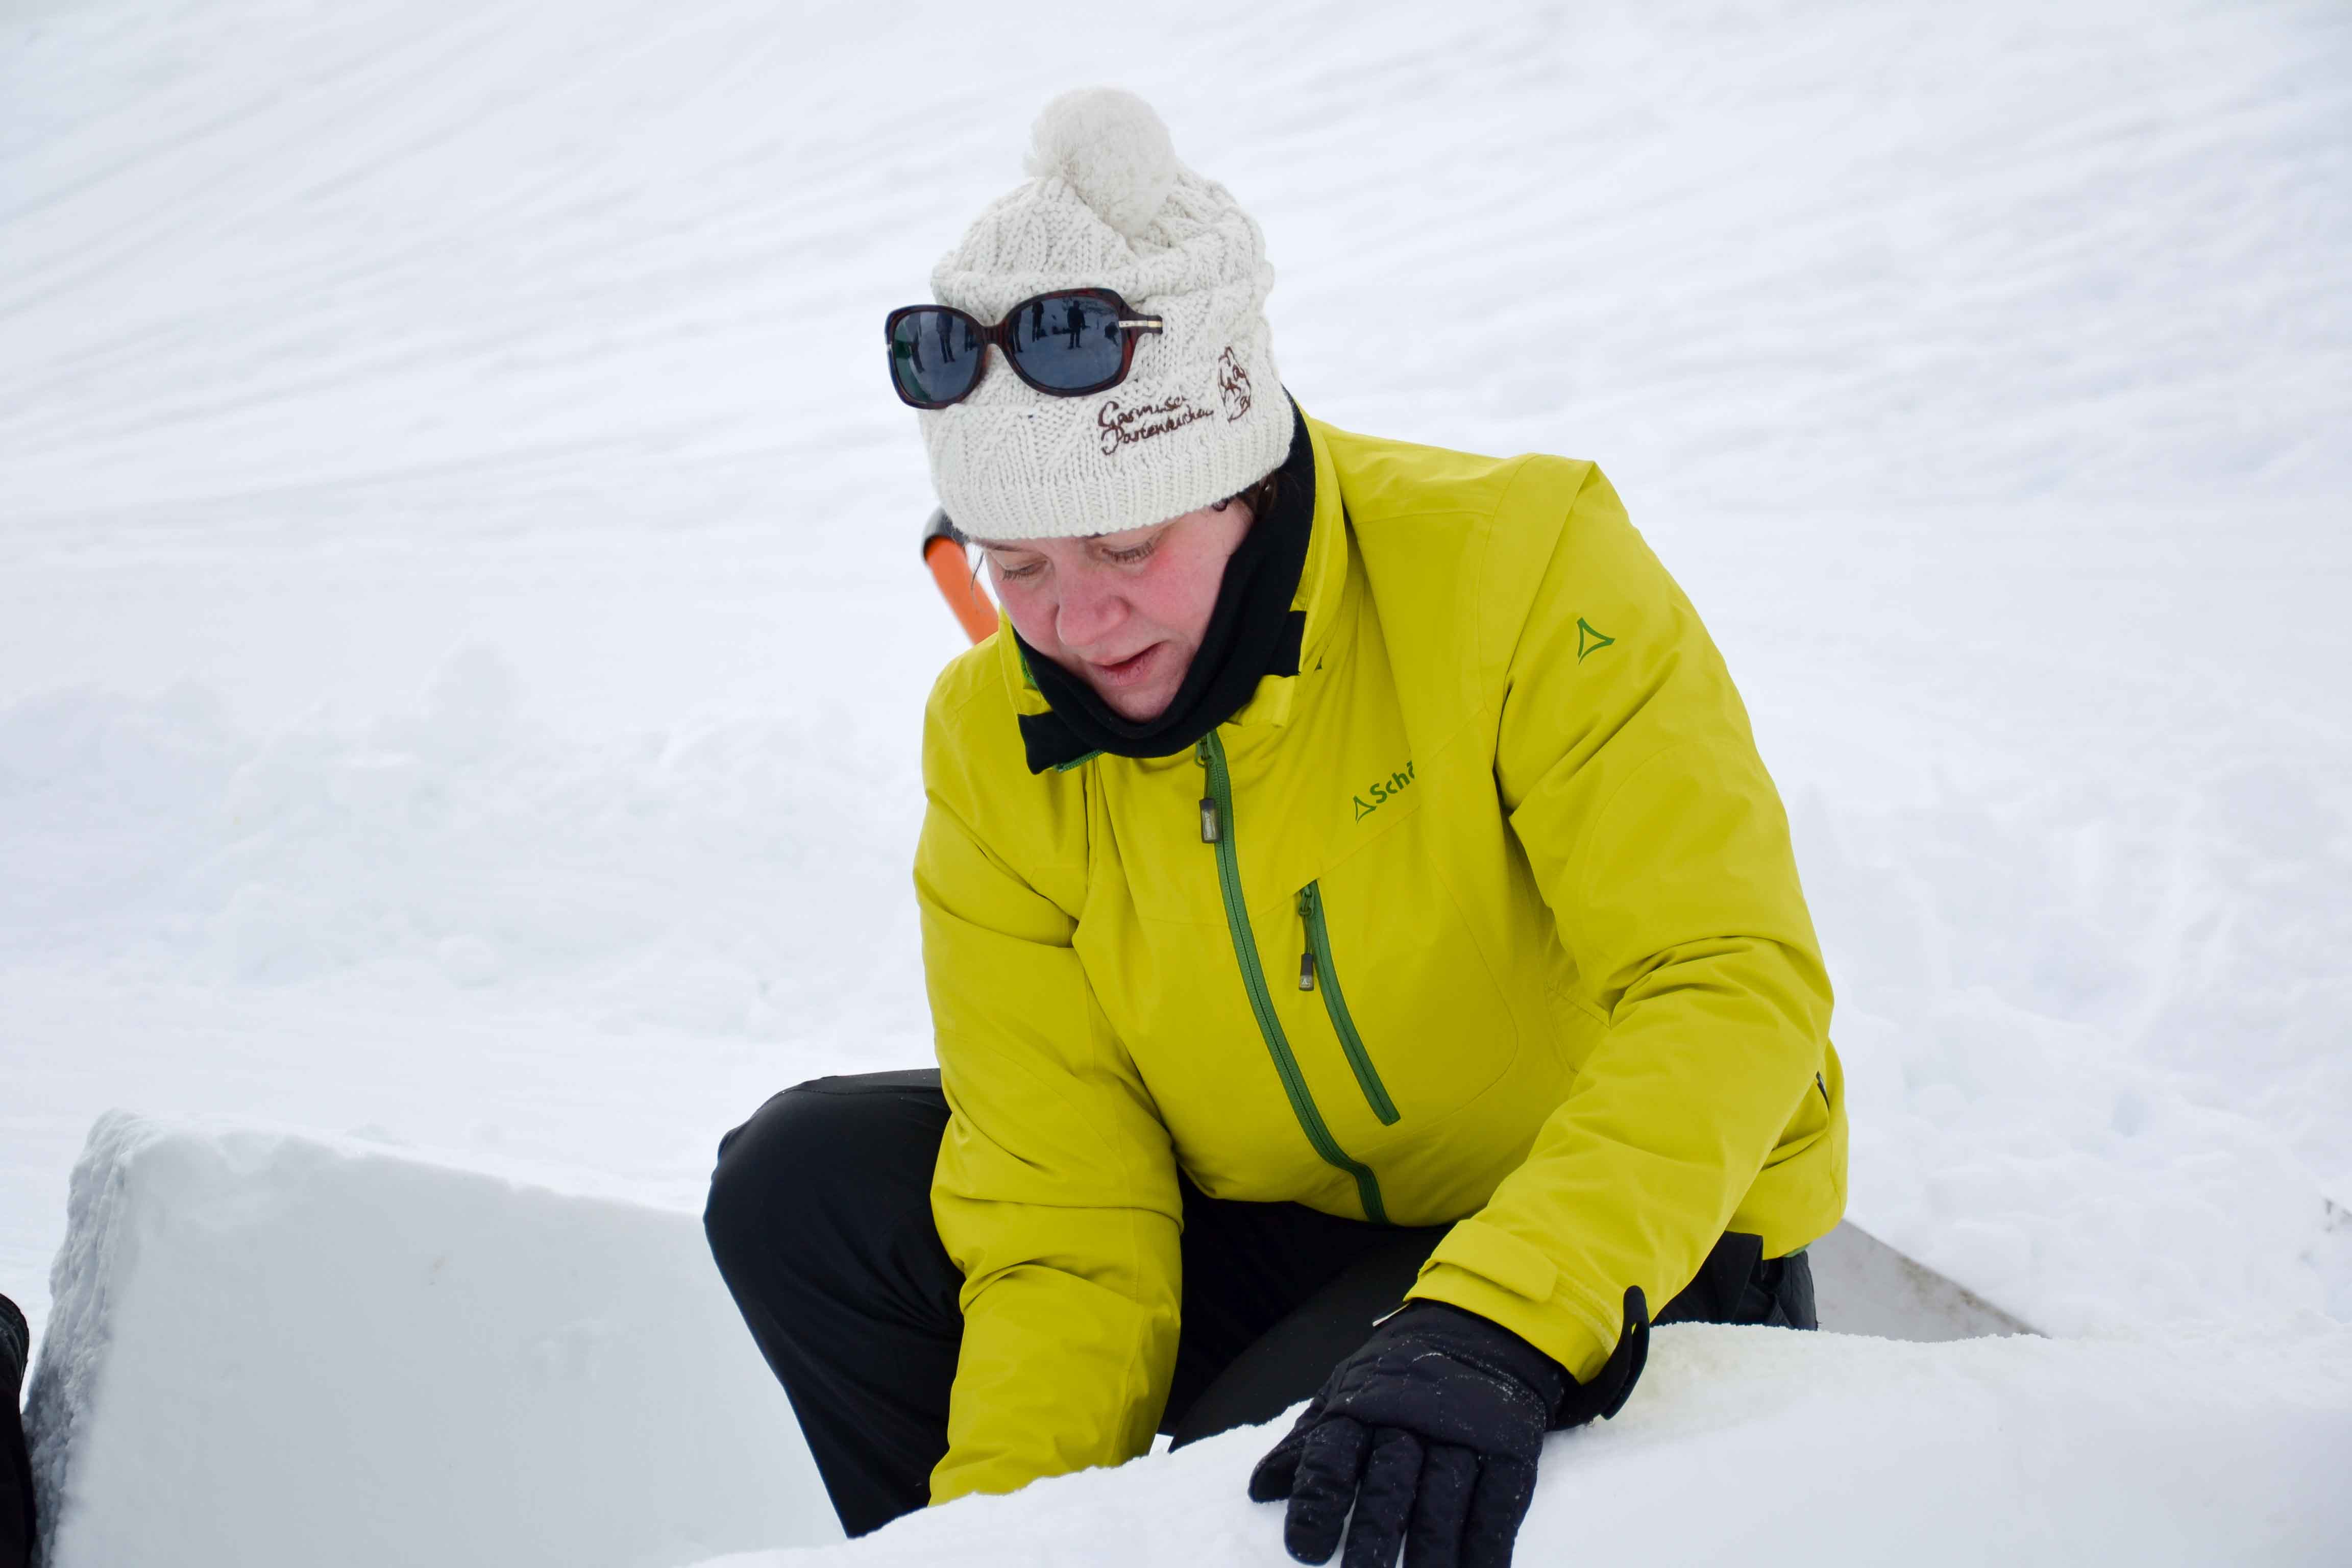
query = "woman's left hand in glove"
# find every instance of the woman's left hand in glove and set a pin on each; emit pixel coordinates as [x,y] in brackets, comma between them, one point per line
[1431,1433]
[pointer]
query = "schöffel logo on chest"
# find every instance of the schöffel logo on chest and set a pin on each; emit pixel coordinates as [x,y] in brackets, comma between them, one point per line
[1382,791]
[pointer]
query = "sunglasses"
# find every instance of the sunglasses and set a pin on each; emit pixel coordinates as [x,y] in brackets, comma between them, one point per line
[1067,344]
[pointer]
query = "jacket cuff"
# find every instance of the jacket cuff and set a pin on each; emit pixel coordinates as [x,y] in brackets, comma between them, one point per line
[1482,1268]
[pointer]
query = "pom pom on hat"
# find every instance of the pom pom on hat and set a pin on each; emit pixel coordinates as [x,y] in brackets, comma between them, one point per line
[1112,148]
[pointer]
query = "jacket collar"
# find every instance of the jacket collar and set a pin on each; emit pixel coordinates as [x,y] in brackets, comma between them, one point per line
[1322,585]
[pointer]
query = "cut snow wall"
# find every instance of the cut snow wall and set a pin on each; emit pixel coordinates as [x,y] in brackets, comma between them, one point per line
[1865,1286]
[268,1350]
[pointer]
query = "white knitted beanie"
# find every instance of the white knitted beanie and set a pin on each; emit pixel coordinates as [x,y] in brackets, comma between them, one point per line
[1202,415]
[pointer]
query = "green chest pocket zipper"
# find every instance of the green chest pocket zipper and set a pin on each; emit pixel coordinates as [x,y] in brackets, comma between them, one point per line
[1315,966]
[1218,828]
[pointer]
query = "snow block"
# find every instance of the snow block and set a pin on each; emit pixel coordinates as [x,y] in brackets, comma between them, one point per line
[1776,1449]
[272,1351]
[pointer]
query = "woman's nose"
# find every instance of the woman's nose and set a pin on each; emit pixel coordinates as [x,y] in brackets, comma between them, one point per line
[1091,609]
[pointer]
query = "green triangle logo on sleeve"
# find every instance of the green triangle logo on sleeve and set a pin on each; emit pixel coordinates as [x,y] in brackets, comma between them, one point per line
[1589,639]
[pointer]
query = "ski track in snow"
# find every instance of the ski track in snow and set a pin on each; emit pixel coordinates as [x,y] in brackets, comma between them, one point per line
[461,647]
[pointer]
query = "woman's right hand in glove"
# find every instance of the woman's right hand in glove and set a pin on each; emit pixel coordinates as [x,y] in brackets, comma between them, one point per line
[1430,1433]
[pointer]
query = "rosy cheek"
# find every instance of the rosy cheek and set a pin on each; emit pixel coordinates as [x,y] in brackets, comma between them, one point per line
[1181,602]
[1031,611]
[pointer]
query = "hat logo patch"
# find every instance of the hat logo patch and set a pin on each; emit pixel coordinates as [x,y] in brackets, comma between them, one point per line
[1232,385]
[1124,426]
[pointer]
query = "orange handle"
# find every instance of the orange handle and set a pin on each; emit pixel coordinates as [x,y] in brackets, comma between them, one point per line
[951,569]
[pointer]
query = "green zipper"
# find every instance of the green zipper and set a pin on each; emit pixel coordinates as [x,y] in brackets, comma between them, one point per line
[1217,828]
[1318,961]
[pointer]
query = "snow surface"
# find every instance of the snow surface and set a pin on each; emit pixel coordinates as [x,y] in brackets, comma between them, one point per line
[1774,1449]
[268,1351]
[461,642]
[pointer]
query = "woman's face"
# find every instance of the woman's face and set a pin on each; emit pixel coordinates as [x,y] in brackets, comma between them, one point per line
[1123,612]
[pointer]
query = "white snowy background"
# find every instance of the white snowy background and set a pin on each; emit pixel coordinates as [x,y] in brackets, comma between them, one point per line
[462,643]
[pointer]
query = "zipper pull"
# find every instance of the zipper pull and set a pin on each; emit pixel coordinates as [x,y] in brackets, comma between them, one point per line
[1306,930]
[1209,824]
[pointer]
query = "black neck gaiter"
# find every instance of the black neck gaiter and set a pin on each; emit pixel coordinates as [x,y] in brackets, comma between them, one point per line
[1253,632]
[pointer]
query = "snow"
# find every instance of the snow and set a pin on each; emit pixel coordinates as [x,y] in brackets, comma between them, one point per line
[268,1349]
[365,1350]
[1864,1287]
[461,639]
[1765,1447]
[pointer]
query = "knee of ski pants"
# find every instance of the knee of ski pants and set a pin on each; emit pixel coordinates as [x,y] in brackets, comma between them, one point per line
[808,1173]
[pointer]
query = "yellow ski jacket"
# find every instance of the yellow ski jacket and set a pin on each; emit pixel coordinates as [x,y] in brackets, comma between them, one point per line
[1509,821]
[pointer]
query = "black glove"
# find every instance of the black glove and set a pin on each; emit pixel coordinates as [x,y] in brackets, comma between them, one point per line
[1432,1431]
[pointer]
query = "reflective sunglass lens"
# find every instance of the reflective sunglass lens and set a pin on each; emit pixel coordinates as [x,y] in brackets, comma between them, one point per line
[934,356]
[1067,341]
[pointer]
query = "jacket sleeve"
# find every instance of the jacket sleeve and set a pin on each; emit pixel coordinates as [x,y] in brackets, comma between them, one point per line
[1625,762]
[1055,1188]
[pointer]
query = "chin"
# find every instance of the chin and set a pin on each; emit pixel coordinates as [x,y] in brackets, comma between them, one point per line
[1135,708]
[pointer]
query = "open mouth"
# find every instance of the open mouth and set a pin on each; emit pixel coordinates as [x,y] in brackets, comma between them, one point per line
[1120,672]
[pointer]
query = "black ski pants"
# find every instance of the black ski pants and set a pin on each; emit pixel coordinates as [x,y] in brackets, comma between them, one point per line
[820,1217]
[16,1532]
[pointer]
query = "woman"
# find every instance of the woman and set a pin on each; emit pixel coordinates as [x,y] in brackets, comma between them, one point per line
[1364,949]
